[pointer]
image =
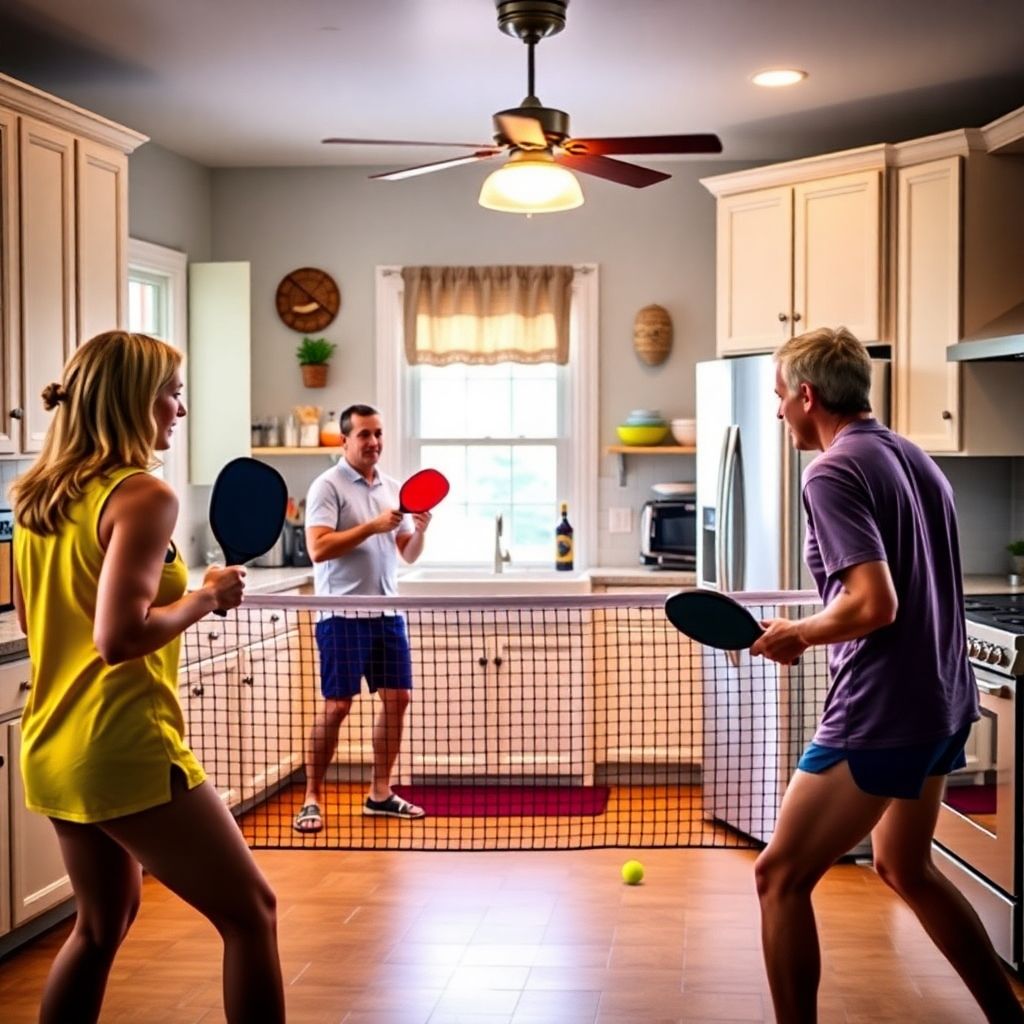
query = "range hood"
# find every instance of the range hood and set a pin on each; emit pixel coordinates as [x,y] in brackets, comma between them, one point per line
[1002,339]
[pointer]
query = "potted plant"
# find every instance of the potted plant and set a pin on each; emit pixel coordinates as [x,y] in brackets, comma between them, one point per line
[313,354]
[1016,549]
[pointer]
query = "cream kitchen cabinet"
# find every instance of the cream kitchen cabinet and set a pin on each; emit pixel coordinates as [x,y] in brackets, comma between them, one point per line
[494,702]
[794,257]
[245,691]
[32,875]
[649,699]
[959,253]
[63,245]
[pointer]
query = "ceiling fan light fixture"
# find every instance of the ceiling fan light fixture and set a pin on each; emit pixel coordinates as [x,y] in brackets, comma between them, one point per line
[531,182]
[775,78]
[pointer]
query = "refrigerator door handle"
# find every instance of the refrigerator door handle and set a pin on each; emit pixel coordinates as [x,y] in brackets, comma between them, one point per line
[720,513]
[726,503]
[726,484]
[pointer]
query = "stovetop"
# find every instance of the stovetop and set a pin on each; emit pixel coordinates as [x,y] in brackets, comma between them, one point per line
[995,632]
[1001,611]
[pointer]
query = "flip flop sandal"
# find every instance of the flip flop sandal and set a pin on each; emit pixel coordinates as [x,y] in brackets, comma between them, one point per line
[393,807]
[309,819]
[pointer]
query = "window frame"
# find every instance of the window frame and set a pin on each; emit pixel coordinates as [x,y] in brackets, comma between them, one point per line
[169,268]
[579,409]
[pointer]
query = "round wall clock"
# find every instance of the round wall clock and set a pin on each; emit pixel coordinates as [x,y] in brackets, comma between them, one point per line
[308,299]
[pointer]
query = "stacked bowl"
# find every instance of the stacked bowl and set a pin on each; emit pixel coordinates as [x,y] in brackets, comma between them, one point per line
[643,427]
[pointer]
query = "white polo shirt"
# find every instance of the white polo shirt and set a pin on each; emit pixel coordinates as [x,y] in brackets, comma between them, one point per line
[340,499]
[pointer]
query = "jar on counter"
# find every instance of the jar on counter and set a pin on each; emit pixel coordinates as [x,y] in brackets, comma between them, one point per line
[330,432]
[290,433]
[272,432]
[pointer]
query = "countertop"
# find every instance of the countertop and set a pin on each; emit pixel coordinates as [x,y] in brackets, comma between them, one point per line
[273,581]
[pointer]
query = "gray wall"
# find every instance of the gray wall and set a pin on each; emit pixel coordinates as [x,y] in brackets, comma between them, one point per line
[652,245]
[169,201]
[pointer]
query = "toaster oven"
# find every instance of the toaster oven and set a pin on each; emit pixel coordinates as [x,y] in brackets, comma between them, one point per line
[668,533]
[6,560]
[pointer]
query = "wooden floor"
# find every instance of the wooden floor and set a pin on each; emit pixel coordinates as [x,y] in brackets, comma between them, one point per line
[400,937]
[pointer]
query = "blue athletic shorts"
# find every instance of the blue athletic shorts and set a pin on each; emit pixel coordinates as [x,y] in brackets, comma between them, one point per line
[898,772]
[376,649]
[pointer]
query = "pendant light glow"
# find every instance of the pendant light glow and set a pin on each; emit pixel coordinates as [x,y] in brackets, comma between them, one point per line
[531,182]
[775,78]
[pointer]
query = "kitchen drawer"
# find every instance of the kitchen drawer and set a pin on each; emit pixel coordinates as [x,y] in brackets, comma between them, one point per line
[214,635]
[14,684]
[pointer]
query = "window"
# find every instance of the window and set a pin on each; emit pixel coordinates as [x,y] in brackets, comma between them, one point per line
[513,439]
[156,306]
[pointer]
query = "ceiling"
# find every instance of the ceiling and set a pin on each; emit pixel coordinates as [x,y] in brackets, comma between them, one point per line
[233,83]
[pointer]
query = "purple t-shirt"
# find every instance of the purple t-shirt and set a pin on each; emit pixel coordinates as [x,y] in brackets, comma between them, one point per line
[873,496]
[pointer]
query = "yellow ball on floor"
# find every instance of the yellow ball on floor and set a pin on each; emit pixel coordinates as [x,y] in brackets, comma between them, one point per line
[632,872]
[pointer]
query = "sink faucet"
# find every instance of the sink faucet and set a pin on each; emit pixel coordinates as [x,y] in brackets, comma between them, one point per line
[500,557]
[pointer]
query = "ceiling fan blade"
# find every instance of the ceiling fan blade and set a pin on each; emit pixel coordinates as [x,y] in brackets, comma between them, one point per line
[403,142]
[411,172]
[637,144]
[521,131]
[613,170]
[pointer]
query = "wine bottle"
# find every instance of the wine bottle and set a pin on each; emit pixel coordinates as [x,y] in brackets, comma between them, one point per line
[563,542]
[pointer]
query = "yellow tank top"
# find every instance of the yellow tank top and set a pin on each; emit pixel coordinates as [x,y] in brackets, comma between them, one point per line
[97,741]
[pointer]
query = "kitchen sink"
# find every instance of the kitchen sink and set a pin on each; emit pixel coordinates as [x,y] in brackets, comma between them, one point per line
[510,582]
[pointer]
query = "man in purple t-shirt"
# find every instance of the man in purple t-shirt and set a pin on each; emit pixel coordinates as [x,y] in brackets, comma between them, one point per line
[882,546]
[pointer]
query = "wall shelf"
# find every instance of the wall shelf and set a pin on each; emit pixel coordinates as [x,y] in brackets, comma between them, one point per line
[310,450]
[622,450]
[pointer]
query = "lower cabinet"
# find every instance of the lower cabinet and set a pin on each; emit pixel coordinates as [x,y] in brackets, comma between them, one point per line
[491,703]
[32,876]
[649,691]
[244,717]
[210,699]
[38,879]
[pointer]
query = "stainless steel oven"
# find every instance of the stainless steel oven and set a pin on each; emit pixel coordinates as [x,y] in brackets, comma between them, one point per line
[977,836]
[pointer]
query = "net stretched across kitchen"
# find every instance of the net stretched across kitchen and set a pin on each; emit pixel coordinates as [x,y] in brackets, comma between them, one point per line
[532,723]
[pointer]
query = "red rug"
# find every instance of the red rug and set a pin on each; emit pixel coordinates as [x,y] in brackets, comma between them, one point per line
[972,799]
[469,801]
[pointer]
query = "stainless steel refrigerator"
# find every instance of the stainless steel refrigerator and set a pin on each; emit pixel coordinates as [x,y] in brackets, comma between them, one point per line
[757,715]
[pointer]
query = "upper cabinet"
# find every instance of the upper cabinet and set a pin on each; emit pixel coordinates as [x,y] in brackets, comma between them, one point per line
[63,246]
[959,260]
[799,255]
[917,245]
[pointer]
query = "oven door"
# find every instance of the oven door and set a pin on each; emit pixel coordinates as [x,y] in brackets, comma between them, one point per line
[976,817]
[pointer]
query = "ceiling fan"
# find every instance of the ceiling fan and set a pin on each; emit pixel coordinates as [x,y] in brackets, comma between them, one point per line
[538,140]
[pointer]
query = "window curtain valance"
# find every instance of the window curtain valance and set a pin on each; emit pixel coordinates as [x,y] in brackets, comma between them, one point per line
[486,315]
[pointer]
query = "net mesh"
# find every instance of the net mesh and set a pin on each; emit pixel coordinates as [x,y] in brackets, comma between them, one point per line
[530,723]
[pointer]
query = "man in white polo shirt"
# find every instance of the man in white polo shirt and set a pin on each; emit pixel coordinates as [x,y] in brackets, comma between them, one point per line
[354,533]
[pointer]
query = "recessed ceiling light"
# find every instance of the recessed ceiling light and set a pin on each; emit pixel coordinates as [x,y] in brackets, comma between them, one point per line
[775,77]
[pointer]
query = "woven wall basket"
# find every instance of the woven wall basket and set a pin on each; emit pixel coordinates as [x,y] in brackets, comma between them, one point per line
[652,334]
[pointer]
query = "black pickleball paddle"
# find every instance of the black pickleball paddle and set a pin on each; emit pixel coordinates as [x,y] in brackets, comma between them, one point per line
[712,619]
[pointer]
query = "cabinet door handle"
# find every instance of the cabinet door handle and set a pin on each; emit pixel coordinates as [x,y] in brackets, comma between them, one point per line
[796,318]
[946,414]
[497,661]
[783,318]
[16,414]
[24,686]
[2,761]
[482,661]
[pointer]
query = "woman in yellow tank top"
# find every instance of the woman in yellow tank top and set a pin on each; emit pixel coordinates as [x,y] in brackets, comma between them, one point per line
[100,593]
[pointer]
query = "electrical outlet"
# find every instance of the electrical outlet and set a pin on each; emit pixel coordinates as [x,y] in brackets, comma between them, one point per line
[620,520]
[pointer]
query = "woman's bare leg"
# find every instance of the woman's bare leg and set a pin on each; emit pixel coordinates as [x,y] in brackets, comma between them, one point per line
[194,847]
[902,843]
[107,884]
